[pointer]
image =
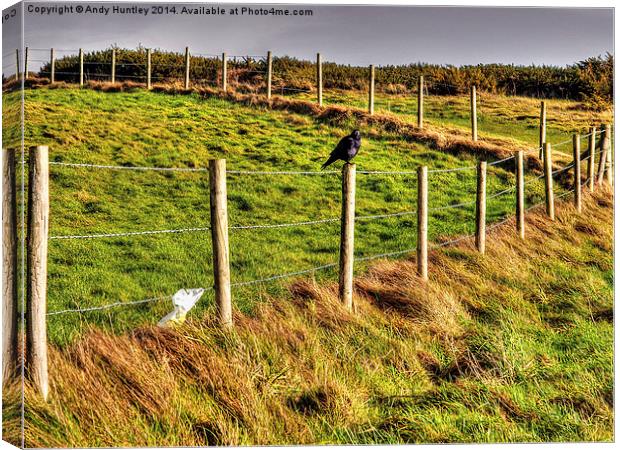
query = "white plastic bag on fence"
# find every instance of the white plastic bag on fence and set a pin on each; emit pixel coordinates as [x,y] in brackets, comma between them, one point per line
[183,301]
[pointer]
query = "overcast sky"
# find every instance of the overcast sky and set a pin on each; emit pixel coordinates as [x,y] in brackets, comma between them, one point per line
[357,35]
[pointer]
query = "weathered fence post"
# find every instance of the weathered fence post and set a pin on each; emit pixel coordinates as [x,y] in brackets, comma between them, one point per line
[17,75]
[347,231]
[224,72]
[542,136]
[26,63]
[186,83]
[9,265]
[591,157]
[269,73]
[36,300]
[423,222]
[608,160]
[481,207]
[474,114]
[548,182]
[371,89]
[52,66]
[602,162]
[421,101]
[577,170]
[219,237]
[81,67]
[113,65]
[148,68]
[520,195]
[319,79]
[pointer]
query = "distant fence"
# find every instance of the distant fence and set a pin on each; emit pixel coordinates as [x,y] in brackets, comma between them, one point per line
[38,232]
[113,70]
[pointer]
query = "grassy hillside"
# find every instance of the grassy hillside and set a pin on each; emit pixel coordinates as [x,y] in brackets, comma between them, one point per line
[150,129]
[515,345]
[515,118]
[509,118]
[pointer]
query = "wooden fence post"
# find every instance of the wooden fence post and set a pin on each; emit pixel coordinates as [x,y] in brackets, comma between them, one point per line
[548,182]
[474,114]
[148,68]
[224,72]
[219,236]
[36,300]
[481,207]
[9,265]
[52,66]
[347,231]
[371,90]
[421,101]
[591,157]
[423,222]
[269,73]
[319,79]
[602,162]
[542,136]
[186,82]
[81,67]
[113,65]
[520,195]
[26,63]
[608,160]
[17,75]
[577,170]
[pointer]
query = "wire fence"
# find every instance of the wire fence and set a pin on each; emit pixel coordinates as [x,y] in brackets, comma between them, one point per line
[90,69]
[305,223]
[38,207]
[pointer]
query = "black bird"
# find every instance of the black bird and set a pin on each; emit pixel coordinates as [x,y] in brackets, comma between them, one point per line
[346,149]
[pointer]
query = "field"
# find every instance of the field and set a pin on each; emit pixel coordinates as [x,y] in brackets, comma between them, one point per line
[512,346]
[514,118]
[147,129]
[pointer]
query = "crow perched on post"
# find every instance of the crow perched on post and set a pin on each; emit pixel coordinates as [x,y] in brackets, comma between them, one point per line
[346,149]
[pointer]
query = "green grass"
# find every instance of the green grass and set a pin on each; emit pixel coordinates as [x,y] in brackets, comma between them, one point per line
[515,345]
[148,129]
[517,118]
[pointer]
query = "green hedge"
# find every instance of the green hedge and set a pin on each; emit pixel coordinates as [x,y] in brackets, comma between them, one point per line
[590,81]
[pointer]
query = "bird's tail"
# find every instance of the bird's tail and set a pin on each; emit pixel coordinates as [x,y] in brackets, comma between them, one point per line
[328,162]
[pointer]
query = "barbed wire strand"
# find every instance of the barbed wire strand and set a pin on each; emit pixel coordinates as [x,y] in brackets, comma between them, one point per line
[129,233]
[302,272]
[385,216]
[453,241]
[502,160]
[108,306]
[283,225]
[284,275]
[456,169]
[563,169]
[500,193]
[457,205]
[264,172]
[141,168]
[281,172]
[233,227]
